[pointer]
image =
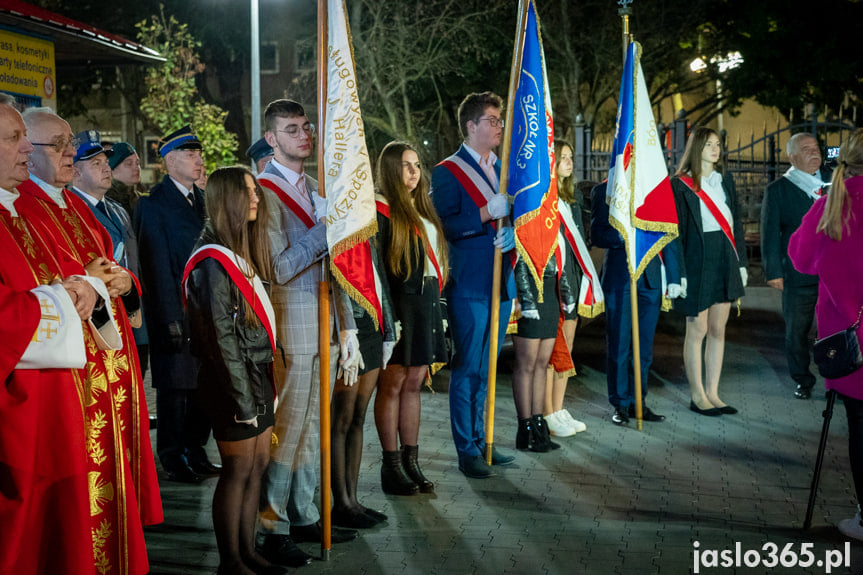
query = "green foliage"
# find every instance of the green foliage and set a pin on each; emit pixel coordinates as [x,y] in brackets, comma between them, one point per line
[172,99]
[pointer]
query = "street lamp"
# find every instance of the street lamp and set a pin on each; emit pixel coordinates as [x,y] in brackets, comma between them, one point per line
[728,62]
[256,74]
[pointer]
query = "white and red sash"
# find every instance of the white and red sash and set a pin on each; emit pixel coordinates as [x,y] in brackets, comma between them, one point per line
[298,202]
[591,300]
[714,210]
[252,290]
[383,208]
[473,182]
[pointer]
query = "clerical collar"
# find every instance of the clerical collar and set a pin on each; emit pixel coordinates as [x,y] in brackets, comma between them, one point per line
[183,189]
[53,192]
[290,175]
[7,200]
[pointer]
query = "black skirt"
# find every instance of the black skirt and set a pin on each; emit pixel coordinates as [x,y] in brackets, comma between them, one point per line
[371,343]
[716,286]
[549,312]
[422,339]
[212,390]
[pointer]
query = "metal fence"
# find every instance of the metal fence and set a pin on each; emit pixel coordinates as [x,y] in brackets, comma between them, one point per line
[752,164]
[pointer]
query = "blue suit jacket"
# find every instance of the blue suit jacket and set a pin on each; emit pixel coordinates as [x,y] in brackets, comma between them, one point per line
[471,241]
[119,227]
[615,270]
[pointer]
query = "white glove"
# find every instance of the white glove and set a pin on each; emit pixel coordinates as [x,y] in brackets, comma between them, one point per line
[320,206]
[568,308]
[744,275]
[498,206]
[530,313]
[388,352]
[505,239]
[682,288]
[398,330]
[445,325]
[253,422]
[351,360]
[674,291]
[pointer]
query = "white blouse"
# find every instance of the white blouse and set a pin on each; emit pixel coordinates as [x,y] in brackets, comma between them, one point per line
[712,185]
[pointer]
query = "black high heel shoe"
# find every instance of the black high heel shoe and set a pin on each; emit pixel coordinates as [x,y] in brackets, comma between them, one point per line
[710,412]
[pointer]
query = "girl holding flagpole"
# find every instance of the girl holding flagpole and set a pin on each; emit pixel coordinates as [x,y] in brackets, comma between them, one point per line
[713,264]
[414,253]
[233,325]
[560,421]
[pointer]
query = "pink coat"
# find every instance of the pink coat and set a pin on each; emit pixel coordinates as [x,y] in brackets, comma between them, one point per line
[839,266]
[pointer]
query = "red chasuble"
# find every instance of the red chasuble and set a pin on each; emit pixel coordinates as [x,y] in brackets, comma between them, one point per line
[44,500]
[123,486]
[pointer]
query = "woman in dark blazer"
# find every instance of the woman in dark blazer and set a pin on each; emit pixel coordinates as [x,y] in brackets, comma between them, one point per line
[414,254]
[713,263]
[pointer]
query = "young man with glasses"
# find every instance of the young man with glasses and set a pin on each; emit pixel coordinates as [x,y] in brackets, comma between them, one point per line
[298,243]
[464,191]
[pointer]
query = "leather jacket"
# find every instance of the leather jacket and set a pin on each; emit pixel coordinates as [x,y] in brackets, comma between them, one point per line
[221,338]
[388,321]
[526,288]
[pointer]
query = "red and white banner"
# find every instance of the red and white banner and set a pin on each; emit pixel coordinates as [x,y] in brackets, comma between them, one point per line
[351,218]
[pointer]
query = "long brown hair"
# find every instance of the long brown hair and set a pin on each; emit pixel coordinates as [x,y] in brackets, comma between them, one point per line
[565,186]
[837,211]
[228,214]
[407,207]
[691,161]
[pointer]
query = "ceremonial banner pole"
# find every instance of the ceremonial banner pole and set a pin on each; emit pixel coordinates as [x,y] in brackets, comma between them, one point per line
[498,255]
[625,11]
[640,201]
[324,300]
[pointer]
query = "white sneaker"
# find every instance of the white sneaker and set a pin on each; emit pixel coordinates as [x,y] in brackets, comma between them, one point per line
[851,527]
[558,426]
[577,425]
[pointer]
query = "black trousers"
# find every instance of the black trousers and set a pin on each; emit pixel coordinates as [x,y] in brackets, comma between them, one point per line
[798,309]
[854,412]
[184,427]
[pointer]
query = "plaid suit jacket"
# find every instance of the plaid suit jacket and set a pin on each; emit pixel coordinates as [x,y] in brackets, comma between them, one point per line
[298,253]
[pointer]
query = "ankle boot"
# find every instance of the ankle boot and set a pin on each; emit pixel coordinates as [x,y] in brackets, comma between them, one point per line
[412,468]
[543,436]
[394,480]
[524,437]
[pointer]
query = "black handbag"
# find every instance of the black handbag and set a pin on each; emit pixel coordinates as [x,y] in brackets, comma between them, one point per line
[838,354]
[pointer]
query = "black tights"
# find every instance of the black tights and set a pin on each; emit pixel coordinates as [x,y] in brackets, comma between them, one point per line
[854,412]
[236,500]
[349,416]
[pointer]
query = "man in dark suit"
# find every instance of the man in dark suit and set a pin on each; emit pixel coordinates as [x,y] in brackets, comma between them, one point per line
[168,223]
[618,310]
[785,203]
[464,192]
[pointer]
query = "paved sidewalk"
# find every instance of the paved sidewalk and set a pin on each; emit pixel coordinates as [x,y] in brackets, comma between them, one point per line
[613,499]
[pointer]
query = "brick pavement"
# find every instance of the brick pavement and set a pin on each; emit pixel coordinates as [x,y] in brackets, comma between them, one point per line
[613,499]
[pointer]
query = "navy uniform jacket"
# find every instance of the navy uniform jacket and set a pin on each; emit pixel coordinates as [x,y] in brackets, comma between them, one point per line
[615,270]
[471,242]
[167,228]
[119,227]
[782,210]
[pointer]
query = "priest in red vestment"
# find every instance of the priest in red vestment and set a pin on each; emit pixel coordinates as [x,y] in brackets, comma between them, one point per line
[44,493]
[123,487]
